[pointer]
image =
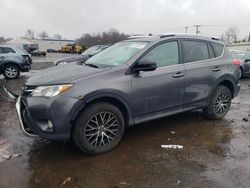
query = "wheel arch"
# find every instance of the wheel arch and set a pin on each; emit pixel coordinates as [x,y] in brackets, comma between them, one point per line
[10,63]
[111,98]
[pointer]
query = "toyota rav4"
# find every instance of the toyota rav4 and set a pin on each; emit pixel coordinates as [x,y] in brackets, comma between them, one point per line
[131,82]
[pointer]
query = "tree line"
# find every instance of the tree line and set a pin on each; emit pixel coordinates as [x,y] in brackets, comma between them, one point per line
[107,37]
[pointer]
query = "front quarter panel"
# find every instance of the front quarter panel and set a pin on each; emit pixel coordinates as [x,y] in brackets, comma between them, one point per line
[113,84]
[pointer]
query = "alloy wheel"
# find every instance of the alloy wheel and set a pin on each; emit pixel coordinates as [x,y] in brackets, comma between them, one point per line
[11,72]
[222,103]
[102,129]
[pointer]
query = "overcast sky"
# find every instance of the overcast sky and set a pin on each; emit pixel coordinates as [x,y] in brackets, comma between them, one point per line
[72,18]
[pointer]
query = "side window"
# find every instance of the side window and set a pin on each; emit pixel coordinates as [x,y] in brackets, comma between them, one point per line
[218,49]
[195,51]
[1,50]
[247,56]
[211,52]
[8,50]
[164,54]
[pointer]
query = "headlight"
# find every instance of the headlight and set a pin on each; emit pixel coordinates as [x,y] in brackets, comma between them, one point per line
[62,63]
[50,91]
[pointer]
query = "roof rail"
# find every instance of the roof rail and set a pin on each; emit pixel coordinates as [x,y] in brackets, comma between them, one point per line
[139,36]
[167,35]
[188,35]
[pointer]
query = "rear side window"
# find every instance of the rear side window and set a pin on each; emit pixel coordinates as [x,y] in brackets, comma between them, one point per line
[218,49]
[163,55]
[8,50]
[195,51]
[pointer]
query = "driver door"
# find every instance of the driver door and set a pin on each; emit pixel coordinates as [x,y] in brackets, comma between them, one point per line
[163,88]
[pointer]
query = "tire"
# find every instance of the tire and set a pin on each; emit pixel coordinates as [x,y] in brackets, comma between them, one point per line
[241,73]
[91,135]
[219,103]
[11,71]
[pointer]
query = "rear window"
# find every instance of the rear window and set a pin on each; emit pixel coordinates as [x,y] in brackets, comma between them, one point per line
[195,51]
[218,49]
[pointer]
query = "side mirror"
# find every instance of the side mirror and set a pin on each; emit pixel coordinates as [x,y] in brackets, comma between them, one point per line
[145,65]
[247,60]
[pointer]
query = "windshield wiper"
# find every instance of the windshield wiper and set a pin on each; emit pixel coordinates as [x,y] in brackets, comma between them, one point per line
[91,65]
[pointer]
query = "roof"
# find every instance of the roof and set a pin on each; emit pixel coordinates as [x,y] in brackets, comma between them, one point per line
[20,41]
[34,41]
[63,40]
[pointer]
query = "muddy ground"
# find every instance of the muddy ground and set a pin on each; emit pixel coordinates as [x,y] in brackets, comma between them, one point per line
[214,154]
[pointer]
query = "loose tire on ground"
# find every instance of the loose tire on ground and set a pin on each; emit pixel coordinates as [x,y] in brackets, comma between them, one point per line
[219,103]
[99,128]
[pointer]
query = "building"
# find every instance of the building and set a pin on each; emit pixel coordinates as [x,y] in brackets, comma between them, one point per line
[41,44]
[240,46]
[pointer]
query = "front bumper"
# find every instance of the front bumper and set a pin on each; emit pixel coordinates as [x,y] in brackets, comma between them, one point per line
[34,113]
[24,127]
[25,68]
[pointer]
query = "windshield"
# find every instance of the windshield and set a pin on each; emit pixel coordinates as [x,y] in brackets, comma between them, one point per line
[239,56]
[117,54]
[92,50]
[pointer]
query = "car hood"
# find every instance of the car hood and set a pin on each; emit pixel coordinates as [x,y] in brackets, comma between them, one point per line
[71,58]
[62,74]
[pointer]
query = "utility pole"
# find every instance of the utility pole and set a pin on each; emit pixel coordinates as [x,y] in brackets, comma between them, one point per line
[186,29]
[197,28]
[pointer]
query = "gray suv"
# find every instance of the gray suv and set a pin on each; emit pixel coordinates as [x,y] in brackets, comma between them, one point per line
[131,82]
[13,60]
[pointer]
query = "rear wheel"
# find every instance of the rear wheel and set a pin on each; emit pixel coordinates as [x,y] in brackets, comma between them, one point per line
[11,71]
[219,103]
[99,128]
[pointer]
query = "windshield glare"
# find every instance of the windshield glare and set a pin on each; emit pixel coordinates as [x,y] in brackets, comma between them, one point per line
[117,54]
[91,50]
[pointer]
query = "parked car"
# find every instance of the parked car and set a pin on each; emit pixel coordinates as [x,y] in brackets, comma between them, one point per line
[131,82]
[38,53]
[13,60]
[51,51]
[244,58]
[83,57]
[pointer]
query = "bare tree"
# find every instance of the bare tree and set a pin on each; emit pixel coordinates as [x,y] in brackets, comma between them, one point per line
[30,34]
[3,40]
[57,36]
[107,37]
[232,34]
[43,35]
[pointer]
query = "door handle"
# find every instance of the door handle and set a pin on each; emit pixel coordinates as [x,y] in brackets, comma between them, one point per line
[216,69]
[178,75]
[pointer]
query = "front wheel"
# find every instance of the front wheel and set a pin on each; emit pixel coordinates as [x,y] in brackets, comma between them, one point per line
[219,103]
[99,128]
[11,71]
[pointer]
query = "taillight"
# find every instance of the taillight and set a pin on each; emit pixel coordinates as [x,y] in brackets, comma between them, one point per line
[236,62]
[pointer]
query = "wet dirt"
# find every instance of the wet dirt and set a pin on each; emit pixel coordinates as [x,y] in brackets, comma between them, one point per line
[214,154]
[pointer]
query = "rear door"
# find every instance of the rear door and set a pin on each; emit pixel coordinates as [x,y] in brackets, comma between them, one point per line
[161,89]
[202,69]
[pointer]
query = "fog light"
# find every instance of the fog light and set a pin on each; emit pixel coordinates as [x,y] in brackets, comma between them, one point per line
[46,126]
[50,124]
